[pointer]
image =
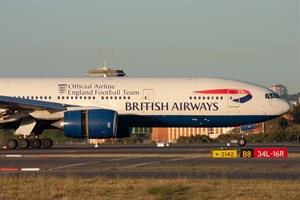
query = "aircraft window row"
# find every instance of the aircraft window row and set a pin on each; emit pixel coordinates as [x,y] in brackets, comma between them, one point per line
[272,95]
[206,98]
[115,97]
[76,97]
[73,97]
[92,97]
[33,97]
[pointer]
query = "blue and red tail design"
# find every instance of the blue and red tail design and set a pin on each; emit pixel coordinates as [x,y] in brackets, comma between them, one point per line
[244,99]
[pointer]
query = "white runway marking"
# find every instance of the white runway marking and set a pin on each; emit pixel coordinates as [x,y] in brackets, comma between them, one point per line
[117,159]
[74,165]
[30,169]
[142,164]
[13,156]
[177,159]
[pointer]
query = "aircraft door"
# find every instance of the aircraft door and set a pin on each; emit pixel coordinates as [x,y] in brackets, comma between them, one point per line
[233,98]
[148,98]
[148,95]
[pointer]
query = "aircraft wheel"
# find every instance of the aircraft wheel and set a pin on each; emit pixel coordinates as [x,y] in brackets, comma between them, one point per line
[47,143]
[242,142]
[12,144]
[36,143]
[23,143]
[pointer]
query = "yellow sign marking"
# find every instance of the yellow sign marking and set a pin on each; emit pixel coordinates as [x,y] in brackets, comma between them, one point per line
[216,153]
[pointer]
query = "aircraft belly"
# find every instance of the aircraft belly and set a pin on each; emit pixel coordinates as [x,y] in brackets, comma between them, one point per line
[189,121]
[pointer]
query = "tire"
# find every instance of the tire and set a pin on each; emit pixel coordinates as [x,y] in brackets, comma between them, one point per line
[47,143]
[36,143]
[12,144]
[242,142]
[23,143]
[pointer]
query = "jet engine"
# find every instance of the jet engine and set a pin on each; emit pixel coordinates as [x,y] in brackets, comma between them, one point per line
[94,124]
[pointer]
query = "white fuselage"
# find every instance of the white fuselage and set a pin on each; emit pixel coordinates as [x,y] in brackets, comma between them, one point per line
[153,101]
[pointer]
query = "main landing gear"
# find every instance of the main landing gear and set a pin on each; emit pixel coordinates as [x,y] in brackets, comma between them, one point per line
[34,143]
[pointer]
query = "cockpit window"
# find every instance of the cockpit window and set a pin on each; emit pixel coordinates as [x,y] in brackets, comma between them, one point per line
[272,95]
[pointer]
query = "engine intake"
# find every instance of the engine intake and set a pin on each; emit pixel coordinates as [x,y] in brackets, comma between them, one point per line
[94,124]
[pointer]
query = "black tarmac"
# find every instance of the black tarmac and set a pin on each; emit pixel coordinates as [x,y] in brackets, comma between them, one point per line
[148,161]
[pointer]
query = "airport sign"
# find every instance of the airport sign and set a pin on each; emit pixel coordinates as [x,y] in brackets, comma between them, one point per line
[270,152]
[246,153]
[228,153]
[276,152]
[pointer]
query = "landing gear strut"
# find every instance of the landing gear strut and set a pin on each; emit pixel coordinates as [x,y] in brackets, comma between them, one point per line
[34,143]
[28,132]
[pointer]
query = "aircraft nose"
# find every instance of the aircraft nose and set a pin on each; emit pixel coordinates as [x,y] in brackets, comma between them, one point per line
[286,106]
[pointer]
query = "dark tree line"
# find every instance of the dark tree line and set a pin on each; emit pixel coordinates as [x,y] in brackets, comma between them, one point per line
[295,112]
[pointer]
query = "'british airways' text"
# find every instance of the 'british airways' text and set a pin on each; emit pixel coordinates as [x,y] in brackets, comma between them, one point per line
[177,106]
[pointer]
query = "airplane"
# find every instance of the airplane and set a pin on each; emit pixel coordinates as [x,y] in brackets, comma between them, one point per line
[98,108]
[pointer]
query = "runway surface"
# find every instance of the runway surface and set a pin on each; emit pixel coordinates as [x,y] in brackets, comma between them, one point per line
[148,161]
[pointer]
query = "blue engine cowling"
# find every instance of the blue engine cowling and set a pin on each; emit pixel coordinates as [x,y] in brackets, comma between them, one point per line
[94,124]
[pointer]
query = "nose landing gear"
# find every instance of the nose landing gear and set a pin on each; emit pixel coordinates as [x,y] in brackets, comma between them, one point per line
[242,142]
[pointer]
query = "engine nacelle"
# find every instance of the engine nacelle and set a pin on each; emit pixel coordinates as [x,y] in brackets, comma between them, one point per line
[95,124]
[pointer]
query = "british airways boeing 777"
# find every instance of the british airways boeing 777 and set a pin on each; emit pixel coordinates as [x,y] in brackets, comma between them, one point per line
[108,107]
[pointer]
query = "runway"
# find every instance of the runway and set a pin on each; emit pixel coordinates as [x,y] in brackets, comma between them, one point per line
[147,161]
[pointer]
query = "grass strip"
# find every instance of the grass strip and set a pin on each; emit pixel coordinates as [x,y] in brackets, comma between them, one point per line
[52,187]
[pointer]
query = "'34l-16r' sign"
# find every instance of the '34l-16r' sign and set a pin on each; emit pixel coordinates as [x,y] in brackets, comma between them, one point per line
[277,152]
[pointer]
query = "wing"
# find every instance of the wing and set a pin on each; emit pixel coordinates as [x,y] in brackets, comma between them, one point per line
[13,103]
[14,109]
